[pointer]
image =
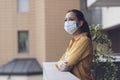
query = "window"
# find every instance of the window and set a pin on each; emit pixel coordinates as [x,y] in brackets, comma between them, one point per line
[23,5]
[23,42]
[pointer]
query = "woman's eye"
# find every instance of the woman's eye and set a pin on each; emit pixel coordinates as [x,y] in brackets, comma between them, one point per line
[71,19]
[65,20]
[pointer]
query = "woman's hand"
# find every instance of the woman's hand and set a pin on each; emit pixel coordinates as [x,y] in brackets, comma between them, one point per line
[62,65]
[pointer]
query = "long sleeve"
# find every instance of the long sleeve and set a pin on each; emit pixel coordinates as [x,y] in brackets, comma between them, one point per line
[78,51]
[78,57]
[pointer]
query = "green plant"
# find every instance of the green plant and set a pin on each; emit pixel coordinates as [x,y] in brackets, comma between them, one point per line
[102,59]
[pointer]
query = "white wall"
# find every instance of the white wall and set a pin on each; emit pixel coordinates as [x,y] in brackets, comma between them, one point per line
[111,17]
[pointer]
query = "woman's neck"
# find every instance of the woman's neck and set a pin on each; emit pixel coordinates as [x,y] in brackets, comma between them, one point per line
[77,32]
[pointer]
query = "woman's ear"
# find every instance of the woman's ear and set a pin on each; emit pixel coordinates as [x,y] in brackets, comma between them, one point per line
[80,23]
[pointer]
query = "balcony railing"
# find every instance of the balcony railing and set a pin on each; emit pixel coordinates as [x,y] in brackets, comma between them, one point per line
[50,72]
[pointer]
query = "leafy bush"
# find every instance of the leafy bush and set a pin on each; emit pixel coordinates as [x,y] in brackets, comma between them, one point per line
[102,60]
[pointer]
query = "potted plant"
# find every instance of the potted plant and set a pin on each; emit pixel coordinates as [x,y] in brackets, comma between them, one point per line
[102,68]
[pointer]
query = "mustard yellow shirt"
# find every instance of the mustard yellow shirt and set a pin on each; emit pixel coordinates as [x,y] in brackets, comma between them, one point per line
[79,56]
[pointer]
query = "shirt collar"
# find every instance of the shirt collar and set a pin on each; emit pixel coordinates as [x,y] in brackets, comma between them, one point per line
[76,37]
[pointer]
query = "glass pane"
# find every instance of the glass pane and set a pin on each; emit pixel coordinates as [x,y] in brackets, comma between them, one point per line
[23,5]
[23,45]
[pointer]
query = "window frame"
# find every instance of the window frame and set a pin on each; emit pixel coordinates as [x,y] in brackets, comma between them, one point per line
[26,44]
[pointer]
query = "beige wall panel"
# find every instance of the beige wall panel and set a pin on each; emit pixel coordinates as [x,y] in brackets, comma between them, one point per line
[40,30]
[10,22]
[6,31]
[44,21]
[56,38]
[26,21]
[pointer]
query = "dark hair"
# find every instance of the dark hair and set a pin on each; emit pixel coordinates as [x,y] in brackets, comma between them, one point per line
[80,16]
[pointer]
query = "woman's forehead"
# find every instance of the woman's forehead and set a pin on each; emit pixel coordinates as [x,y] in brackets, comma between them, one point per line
[70,15]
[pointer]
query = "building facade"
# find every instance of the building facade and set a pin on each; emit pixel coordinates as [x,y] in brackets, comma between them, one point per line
[33,29]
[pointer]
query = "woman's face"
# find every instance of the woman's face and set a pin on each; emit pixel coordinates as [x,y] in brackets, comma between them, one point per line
[71,17]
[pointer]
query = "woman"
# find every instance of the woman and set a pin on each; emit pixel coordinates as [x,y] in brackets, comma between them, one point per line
[78,56]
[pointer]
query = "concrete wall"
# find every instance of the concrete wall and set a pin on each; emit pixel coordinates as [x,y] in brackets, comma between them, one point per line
[110,17]
[114,35]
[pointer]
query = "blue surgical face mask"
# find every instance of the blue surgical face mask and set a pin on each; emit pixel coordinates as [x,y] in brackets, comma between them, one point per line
[70,27]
